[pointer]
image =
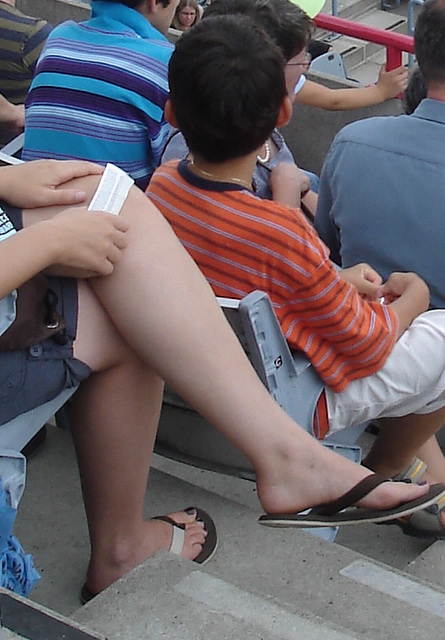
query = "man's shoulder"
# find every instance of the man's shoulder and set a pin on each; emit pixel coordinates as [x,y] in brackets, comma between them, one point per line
[117,45]
[367,130]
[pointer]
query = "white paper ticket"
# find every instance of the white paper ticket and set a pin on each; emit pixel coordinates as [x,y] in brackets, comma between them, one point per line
[112,190]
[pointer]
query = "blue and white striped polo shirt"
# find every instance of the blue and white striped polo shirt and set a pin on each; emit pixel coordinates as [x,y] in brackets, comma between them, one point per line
[99,92]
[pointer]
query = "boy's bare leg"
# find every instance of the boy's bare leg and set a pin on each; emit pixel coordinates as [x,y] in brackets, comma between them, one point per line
[115,418]
[401,439]
[164,309]
[432,455]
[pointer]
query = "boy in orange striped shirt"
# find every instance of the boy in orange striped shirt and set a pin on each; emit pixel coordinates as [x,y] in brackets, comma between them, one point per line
[377,361]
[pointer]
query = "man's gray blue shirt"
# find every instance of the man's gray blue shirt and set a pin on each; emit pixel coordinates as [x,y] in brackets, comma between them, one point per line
[382,195]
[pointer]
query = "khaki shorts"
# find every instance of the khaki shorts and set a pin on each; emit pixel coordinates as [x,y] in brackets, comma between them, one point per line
[412,380]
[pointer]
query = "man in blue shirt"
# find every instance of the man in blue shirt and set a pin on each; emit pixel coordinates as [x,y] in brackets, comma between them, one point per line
[382,191]
[101,86]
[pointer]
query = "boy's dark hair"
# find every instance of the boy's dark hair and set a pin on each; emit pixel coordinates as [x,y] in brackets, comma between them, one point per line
[415,91]
[226,86]
[429,41]
[288,25]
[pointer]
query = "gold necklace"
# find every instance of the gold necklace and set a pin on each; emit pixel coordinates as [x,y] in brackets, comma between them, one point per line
[212,176]
[266,158]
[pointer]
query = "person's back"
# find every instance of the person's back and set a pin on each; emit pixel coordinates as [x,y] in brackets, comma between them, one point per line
[382,193]
[382,189]
[100,89]
[21,40]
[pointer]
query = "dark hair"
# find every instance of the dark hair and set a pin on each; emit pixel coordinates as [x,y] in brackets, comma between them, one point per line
[288,25]
[415,91]
[429,41]
[226,86]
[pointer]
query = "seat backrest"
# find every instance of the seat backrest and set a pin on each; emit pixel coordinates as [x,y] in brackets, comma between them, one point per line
[15,146]
[330,63]
[6,159]
[290,377]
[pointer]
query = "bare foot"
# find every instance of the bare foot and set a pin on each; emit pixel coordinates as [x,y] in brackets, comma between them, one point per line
[153,535]
[291,480]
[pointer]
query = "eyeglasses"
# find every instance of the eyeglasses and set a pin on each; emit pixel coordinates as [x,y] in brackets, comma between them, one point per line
[305,64]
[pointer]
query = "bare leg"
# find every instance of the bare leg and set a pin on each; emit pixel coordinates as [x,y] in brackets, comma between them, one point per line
[174,320]
[434,459]
[401,439]
[115,418]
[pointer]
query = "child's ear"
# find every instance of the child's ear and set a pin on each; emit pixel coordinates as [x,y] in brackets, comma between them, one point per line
[170,114]
[285,112]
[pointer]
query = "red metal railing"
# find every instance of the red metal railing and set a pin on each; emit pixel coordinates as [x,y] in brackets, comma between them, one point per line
[395,43]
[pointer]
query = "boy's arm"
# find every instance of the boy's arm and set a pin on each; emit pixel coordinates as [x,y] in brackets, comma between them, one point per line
[389,85]
[364,278]
[407,295]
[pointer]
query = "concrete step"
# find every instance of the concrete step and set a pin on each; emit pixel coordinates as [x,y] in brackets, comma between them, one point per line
[367,71]
[262,583]
[430,564]
[363,59]
[355,51]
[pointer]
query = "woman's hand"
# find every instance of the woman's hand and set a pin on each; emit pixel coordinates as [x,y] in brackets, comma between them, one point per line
[85,243]
[36,184]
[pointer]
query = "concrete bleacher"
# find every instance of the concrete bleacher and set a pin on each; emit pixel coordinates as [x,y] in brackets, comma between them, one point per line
[56,11]
[262,583]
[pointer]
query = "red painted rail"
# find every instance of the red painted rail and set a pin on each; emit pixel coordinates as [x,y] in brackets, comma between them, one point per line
[395,43]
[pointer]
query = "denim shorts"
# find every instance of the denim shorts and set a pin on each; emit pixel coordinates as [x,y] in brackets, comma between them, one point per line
[31,377]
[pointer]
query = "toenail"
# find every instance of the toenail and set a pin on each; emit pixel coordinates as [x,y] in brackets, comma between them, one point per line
[191,511]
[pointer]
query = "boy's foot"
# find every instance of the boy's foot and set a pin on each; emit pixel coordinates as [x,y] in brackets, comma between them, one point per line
[428,523]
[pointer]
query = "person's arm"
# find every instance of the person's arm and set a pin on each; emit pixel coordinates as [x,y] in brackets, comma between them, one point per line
[36,184]
[407,295]
[12,116]
[364,278]
[389,85]
[81,242]
[289,185]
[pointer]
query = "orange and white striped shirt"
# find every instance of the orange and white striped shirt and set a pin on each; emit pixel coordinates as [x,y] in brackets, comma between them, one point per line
[242,243]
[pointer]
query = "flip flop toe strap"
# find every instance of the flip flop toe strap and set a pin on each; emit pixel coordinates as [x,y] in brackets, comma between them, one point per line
[178,537]
[351,497]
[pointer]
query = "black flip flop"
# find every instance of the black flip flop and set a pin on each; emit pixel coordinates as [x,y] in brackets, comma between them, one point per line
[332,515]
[208,549]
